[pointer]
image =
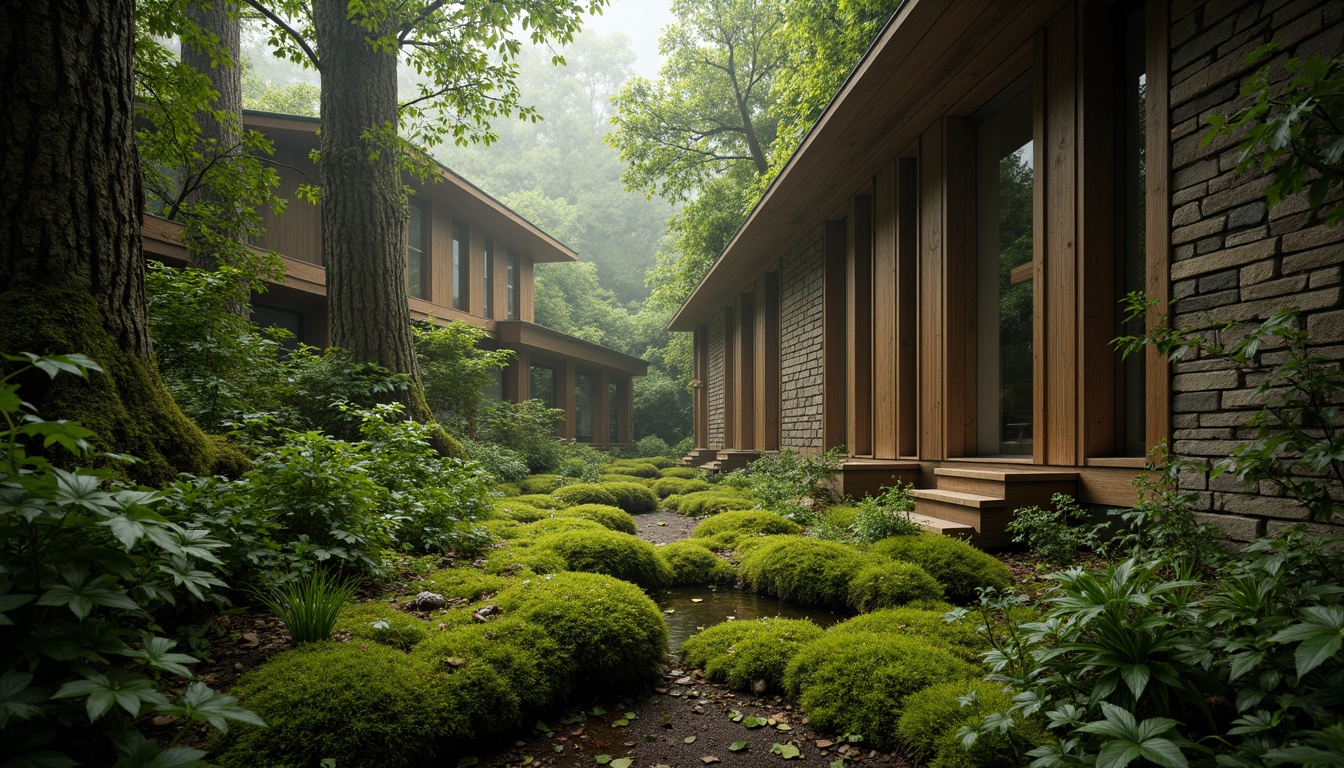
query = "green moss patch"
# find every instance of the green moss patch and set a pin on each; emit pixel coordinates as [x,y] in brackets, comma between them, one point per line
[586,493]
[929,725]
[538,500]
[633,470]
[520,511]
[464,583]
[532,663]
[690,473]
[522,558]
[635,498]
[887,585]
[959,637]
[610,552]
[693,564]
[740,653]
[705,503]
[958,566]
[613,518]
[727,529]
[667,486]
[541,483]
[380,622]
[800,570]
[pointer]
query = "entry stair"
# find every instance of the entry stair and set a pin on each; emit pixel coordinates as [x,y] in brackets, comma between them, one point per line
[728,460]
[977,503]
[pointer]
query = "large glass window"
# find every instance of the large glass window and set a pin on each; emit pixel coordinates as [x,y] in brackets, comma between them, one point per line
[613,409]
[512,278]
[488,278]
[1133,221]
[542,384]
[417,256]
[583,408]
[1005,178]
[461,240]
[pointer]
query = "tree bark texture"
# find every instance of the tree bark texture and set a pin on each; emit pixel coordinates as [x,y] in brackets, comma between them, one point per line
[70,183]
[226,78]
[363,204]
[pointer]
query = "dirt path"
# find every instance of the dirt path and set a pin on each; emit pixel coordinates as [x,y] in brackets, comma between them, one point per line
[684,722]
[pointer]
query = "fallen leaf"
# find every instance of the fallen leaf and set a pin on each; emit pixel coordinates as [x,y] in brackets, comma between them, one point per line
[837,764]
[603,759]
[710,760]
[697,599]
[558,748]
[467,761]
[735,716]
[252,640]
[620,723]
[754,722]
[165,720]
[631,716]
[598,711]
[689,739]
[787,751]
[662,522]
[783,727]
[527,760]
[622,762]
[738,746]
[824,743]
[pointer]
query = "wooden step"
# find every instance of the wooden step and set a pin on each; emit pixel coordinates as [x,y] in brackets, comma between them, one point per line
[858,477]
[942,527]
[1018,487]
[988,516]
[727,461]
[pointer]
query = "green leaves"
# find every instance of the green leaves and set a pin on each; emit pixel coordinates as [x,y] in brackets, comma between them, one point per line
[787,751]
[79,590]
[754,722]
[1129,740]
[1319,636]
[738,746]
[116,687]
[202,704]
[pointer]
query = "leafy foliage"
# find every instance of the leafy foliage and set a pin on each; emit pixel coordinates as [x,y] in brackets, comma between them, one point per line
[527,428]
[308,606]
[885,515]
[455,368]
[1295,131]
[788,483]
[1055,535]
[87,564]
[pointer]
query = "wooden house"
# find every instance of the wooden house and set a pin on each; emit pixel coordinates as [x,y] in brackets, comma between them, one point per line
[934,280]
[469,258]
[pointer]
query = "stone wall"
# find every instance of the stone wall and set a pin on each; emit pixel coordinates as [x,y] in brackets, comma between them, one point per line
[1232,259]
[715,383]
[801,278]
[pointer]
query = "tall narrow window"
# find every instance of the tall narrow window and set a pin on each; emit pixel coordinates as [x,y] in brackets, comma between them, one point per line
[461,239]
[583,408]
[542,384]
[417,256]
[488,278]
[613,411]
[1133,221]
[1005,178]
[512,278]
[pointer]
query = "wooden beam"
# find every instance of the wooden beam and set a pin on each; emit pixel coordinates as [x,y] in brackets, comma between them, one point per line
[859,325]
[958,310]
[906,374]
[564,398]
[931,286]
[600,408]
[1057,422]
[745,379]
[833,346]
[1158,210]
[767,362]
[884,325]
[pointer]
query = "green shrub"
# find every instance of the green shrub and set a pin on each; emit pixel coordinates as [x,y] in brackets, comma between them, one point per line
[858,682]
[614,518]
[633,470]
[508,489]
[538,500]
[958,566]
[887,585]
[693,564]
[586,493]
[520,558]
[789,483]
[612,630]
[463,583]
[503,528]
[363,705]
[610,478]
[885,515]
[519,511]
[667,486]
[706,503]
[740,653]
[635,498]
[560,525]
[958,637]
[801,570]
[527,428]
[840,516]
[541,483]
[932,717]
[661,462]
[1054,534]
[615,554]
[535,666]
[505,465]
[308,606]
[727,529]
[685,473]
[377,621]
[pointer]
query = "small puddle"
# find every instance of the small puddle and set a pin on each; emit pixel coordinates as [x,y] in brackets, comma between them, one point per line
[687,610]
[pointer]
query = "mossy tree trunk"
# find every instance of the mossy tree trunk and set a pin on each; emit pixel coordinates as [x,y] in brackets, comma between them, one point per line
[71,264]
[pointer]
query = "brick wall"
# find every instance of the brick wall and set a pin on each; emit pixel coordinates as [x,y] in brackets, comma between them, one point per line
[800,319]
[1232,259]
[715,383]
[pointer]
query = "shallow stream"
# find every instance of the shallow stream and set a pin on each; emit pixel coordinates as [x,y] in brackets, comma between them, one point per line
[688,610]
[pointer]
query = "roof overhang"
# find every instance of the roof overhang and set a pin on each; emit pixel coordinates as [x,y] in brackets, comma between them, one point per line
[934,58]
[460,196]
[545,342]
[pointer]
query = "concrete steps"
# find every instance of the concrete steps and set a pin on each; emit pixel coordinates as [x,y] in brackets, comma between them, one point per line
[984,499]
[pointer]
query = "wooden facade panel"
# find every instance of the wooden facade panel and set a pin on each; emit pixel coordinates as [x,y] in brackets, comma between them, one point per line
[906,374]
[767,362]
[745,360]
[1158,207]
[475,270]
[833,347]
[296,232]
[526,274]
[930,298]
[959,286]
[730,406]
[859,326]
[884,324]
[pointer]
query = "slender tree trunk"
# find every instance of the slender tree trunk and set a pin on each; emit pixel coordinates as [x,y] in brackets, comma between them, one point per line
[363,204]
[71,178]
[72,270]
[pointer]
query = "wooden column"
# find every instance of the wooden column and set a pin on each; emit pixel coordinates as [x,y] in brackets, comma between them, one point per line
[526,274]
[906,374]
[1157,143]
[744,344]
[884,330]
[625,410]
[598,398]
[518,377]
[700,393]
[833,345]
[564,397]
[859,325]
[729,378]
[767,362]
[474,287]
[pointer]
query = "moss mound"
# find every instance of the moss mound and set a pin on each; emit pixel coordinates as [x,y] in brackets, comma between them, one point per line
[541,483]
[667,486]
[801,570]
[613,518]
[960,637]
[381,623]
[363,704]
[127,406]
[523,558]
[693,564]
[740,653]
[633,470]
[932,717]
[464,583]
[610,552]
[705,503]
[661,462]
[532,663]
[689,473]
[538,500]
[612,630]
[503,528]
[858,682]
[517,510]
[958,566]
[840,515]
[727,529]
[560,524]
[635,498]
[605,478]
[887,585]
[586,493]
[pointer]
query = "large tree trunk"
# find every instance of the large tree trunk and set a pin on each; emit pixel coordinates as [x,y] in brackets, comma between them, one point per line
[71,265]
[363,204]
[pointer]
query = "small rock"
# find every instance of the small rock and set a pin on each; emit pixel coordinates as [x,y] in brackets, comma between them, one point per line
[487,613]
[684,680]
[426,601]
